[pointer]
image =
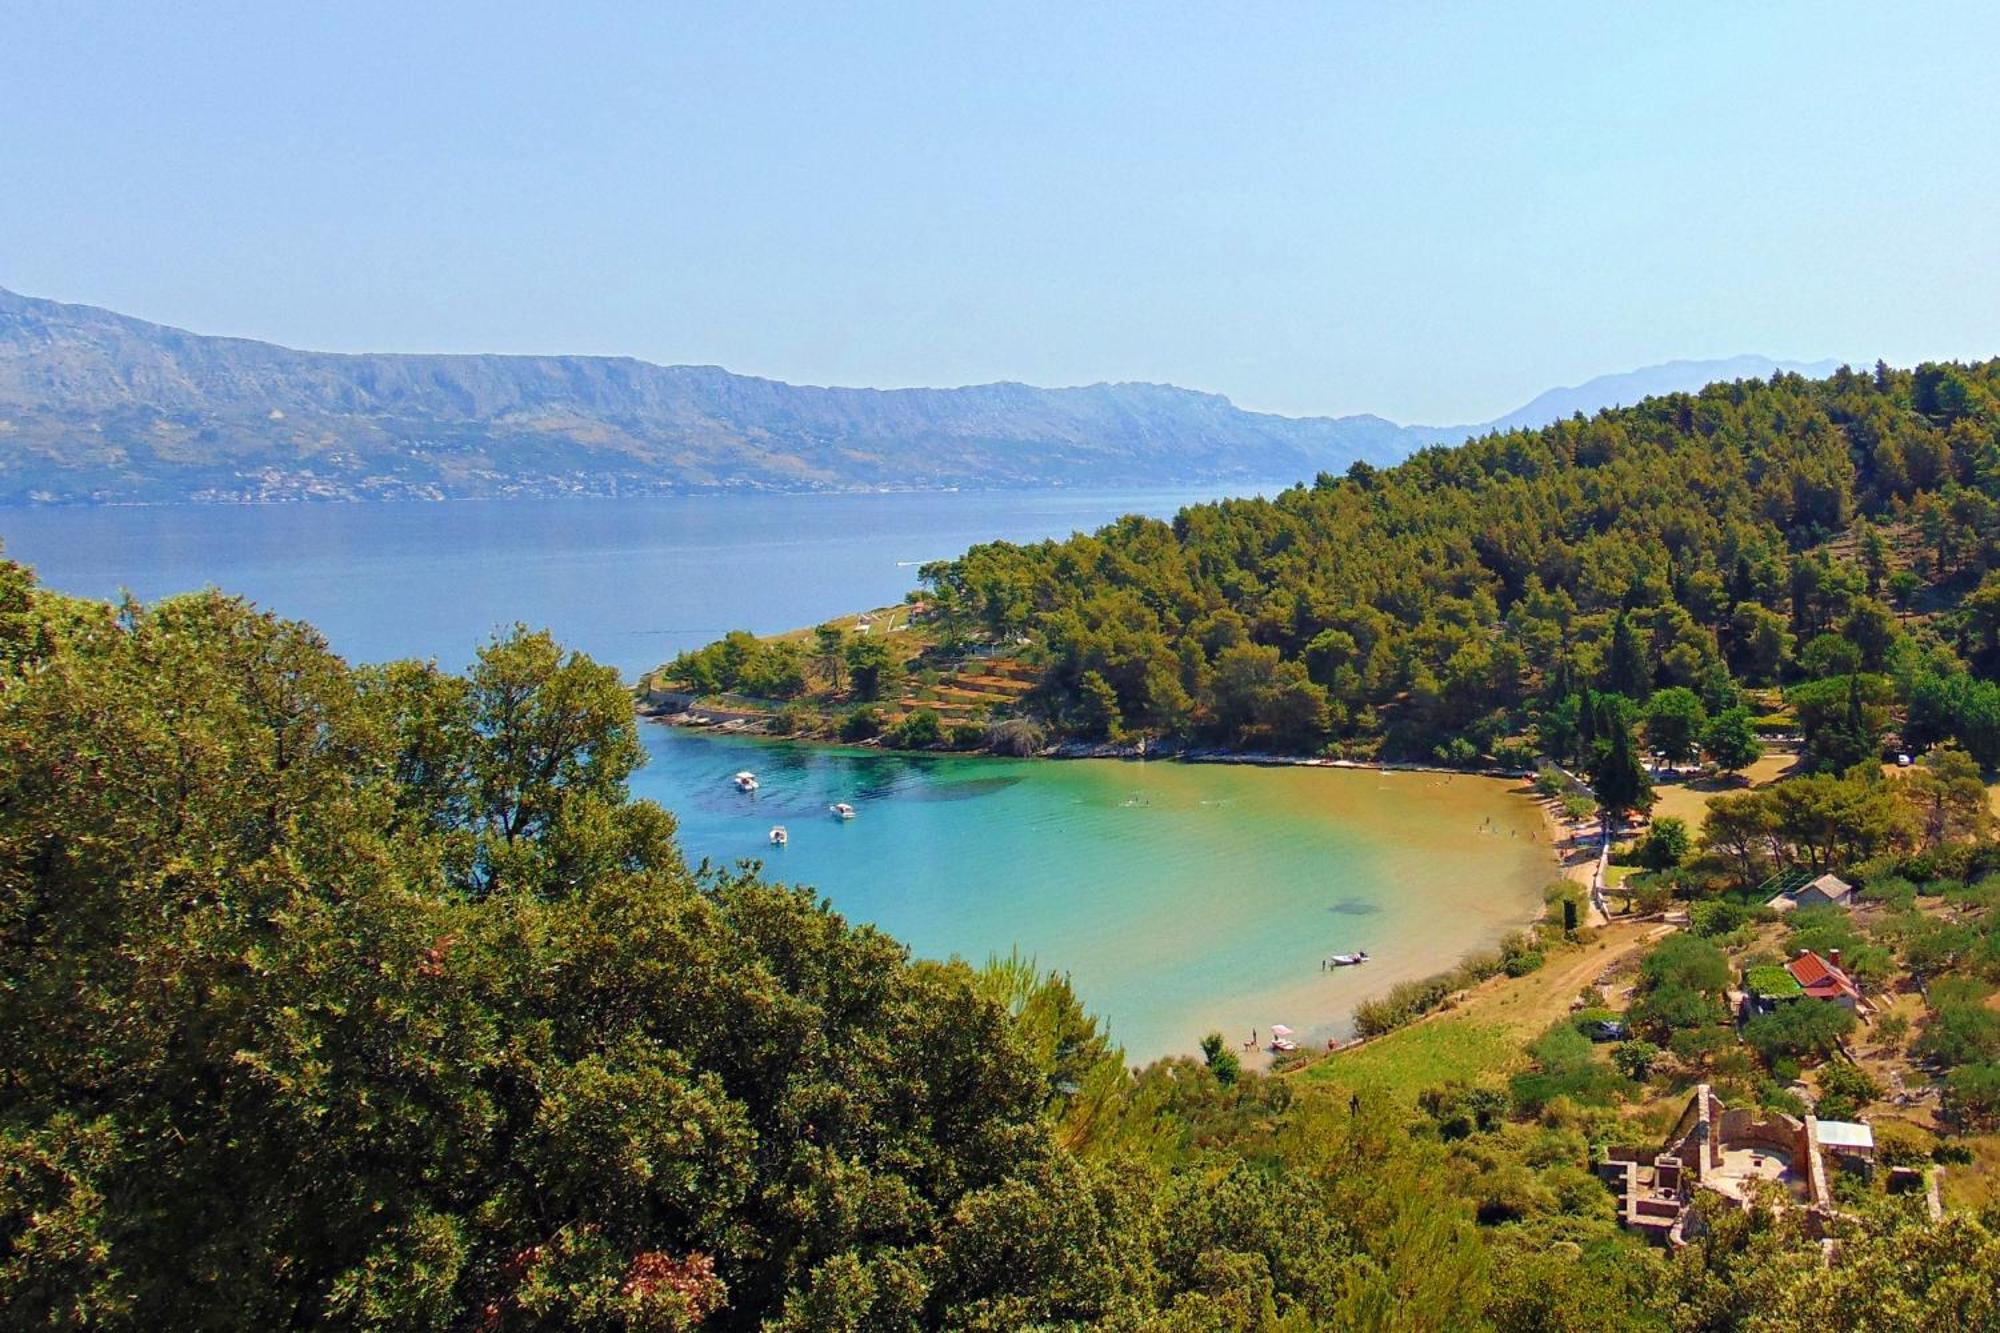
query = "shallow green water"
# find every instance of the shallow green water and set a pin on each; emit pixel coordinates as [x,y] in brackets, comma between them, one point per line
[1180,898]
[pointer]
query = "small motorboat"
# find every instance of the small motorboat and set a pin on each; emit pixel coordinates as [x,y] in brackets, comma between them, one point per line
[1354,959]
[778,836]
[841,810]
[1281,1038]
[745,781]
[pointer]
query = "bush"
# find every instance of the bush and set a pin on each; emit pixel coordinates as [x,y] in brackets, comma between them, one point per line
[1687,961]
[1566,891]
[1900,1144]
[1222,1061]
[1585,1020]
[1895,892]
[1665,845]
[864,723]
[1461,1110]
[1407,1001]
[1521,964]
[1018,736]
[920,730]
[1844,1089]
[1575,805]
[1717,916]
[1635,1059]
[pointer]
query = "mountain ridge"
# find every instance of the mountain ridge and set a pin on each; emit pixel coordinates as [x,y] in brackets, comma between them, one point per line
[97,406]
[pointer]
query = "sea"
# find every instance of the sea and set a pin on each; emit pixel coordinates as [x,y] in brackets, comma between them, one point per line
[1180,898]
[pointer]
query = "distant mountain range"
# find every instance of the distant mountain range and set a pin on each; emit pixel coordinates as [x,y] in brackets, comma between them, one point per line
[100,407]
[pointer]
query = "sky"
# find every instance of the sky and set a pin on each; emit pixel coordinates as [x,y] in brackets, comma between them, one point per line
[1428,211]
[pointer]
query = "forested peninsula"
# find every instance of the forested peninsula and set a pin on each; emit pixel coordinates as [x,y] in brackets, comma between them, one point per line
[1788,553]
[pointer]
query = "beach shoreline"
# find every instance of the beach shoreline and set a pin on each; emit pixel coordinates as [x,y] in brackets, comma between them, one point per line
[1318,1005]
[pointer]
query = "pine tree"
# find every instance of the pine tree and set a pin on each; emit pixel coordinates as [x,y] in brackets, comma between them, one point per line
[1626,668]
[1620,780]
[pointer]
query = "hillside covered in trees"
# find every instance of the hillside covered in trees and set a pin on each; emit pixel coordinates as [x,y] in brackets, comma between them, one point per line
[368,998]
[1832,538]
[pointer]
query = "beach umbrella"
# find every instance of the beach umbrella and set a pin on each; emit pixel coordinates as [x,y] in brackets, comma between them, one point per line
[1280,1030]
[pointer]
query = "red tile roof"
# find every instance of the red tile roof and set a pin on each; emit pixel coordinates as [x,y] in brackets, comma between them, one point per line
[1821,979]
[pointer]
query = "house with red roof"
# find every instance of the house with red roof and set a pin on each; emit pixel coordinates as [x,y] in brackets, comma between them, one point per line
[1822,979]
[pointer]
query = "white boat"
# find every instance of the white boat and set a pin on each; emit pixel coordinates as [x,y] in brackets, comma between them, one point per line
[778,836]
[841,810]
[1349,959]
[1281,1038]
[745,781]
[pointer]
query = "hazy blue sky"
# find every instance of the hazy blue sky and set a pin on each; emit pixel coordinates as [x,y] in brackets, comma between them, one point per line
[1428,211]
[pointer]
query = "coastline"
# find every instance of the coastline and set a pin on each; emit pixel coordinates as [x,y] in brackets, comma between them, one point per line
[739,722]
[1484,903]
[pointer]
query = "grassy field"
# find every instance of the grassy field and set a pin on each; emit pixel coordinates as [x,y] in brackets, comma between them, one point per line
[1978,1185]
[1689,800]
[1488,1032]
[1421,1056]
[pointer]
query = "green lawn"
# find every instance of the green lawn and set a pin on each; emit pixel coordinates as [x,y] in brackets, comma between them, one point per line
[1421,1056]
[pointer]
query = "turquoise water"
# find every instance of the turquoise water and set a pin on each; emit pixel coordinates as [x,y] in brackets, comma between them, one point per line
[1181,898]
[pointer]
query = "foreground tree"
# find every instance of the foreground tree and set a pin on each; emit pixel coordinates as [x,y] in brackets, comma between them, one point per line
[1731,740]
[371,998]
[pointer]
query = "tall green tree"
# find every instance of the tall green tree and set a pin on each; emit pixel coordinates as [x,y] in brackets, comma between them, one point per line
[1628,668]
[1731,741]
[1674,723]
[1619,778]
[830,654]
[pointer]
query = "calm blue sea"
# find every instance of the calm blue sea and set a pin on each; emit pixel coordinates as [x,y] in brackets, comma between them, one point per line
[632,582]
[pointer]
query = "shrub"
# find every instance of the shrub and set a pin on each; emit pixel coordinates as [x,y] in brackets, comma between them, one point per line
[1222,1061]
[864,723]
[1895,892]
[1408,1001]
[1635,1059]
[1717,916]
[1018,736]
[920,730]
[1665,845]
[1688,961]
[1561,1050]
[1900,1144]
[1462,1110]
[1844,1089]
[1521,964]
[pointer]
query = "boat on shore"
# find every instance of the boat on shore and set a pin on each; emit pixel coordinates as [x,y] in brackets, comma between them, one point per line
[1355,959]
[841,810]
